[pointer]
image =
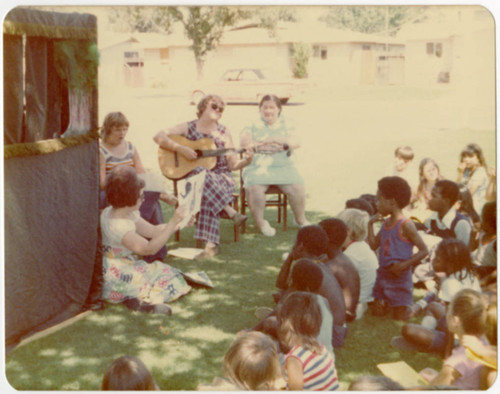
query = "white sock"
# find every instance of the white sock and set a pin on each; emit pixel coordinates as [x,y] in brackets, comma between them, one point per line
[421,303]
[429,322]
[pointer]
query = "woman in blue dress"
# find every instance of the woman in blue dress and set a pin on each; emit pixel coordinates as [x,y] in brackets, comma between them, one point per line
[272,169]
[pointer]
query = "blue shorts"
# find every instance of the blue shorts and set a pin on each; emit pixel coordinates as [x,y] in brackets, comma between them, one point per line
[396,291]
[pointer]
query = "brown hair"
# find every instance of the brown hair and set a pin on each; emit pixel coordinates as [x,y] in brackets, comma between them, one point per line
[299,317]
[113,119]
[474,150]
[123,187]
[203,104]
[406,152]
[271,97]
[252,362]
[128,373]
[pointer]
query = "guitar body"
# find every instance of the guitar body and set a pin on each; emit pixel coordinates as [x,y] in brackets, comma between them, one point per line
[175,166]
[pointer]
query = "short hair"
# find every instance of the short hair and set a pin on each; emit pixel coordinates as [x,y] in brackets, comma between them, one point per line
[113,119]
[406,152]
[336,230]
[360,203]
[473,150]
[448,189]
[314,239]
[299,318]
[271,97]
[374,383]
[123,187]
[252,362]
[397,188]
[128,373]
[356,220]
[372,200]
[203,104]
[306,275]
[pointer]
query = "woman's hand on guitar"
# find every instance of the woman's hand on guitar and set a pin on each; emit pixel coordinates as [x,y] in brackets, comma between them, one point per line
[187,152]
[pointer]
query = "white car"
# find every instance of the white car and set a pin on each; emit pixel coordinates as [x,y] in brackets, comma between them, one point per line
[245,85]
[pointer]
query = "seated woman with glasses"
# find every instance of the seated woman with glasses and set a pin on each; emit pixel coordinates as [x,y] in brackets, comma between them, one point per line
[126,236]
[219,183]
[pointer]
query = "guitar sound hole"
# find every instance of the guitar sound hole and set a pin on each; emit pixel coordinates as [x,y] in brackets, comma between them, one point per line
[199,153]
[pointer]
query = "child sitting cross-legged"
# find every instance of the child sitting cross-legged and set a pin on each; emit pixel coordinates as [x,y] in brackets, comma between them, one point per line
[452,259]
[308,365]
[468,314]
[393,289]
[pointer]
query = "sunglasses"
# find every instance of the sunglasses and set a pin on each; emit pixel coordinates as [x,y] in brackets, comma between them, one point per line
[216,107]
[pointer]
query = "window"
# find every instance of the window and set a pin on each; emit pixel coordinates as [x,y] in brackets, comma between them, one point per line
[320,51]
[131,55]
[434,49]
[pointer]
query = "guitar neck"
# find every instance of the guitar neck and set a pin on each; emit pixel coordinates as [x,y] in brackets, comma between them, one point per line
[217,152]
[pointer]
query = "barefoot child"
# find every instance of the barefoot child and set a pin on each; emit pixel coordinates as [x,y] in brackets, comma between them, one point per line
[395,241]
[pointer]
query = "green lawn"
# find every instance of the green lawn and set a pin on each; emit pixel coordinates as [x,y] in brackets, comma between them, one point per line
[186,349]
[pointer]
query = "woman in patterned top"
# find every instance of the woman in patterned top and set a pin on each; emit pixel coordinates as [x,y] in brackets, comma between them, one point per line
[115,151]
[219,183]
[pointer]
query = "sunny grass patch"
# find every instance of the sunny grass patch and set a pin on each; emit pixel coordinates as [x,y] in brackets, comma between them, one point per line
[187,349]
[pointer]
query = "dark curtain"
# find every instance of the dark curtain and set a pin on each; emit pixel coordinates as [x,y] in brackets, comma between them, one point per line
[13,88]
[43,91]
[51,237]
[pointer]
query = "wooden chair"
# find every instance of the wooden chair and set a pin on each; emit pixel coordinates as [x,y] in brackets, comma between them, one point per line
[280,200]
[223,216]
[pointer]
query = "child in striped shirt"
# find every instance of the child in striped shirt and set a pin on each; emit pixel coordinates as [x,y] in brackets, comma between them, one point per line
[308,365]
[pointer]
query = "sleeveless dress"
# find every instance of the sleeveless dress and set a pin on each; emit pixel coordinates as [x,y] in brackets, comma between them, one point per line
[150,209]
[126,275]
[275,169]
[218,189]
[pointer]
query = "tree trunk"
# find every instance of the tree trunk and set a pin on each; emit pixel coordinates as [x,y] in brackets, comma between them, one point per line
[199,67]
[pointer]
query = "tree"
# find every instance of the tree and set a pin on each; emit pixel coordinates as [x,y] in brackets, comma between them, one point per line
[204,26]
[373,19]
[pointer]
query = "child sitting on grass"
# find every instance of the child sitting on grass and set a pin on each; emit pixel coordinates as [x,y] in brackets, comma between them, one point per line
[128,373]
[363,258]
[250,363]
[341,265]
[395,241]
[452,259]
[468,314]
[308,365]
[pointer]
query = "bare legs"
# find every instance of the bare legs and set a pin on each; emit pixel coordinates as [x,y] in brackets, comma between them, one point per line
[257,202]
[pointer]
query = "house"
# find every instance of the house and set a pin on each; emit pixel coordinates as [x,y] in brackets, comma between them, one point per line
[454,47]
[337,56]
[133,59]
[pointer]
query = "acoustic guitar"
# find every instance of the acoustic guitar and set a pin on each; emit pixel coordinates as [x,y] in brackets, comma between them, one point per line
[175,166]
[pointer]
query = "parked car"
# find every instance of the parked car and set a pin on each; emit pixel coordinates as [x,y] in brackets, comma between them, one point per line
[244,85]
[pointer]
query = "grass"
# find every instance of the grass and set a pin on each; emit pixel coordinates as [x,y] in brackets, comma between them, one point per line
[187,348]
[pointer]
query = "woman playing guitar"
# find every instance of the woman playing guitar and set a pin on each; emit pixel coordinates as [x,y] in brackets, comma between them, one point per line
[219,183]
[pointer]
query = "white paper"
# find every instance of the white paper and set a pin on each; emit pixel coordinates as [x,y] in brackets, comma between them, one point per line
[190,191]
[154,182]
[185,253]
